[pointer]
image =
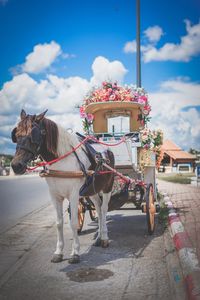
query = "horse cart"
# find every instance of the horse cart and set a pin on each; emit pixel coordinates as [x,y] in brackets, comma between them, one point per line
[120,125]
[76,167]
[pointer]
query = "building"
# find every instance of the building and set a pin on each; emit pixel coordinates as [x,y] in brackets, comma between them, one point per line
[174,159]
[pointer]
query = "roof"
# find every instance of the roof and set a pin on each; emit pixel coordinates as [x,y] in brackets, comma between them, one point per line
[169,145]
[179,154]
[171,149]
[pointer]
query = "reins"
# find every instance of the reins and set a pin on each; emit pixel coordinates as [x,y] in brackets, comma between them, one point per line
[53,161]
[69,174]
[48,163]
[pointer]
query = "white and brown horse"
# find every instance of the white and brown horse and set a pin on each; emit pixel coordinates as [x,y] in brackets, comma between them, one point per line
[36,135]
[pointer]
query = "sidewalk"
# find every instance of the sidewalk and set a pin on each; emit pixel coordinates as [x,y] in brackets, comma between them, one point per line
[185,227]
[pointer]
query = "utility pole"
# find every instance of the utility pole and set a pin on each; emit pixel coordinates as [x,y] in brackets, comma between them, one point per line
[138,56]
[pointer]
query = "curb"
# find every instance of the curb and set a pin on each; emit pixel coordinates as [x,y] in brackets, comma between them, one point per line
[187,254]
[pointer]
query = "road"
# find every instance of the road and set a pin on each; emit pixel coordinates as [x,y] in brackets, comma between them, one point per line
[20,196]
[134,267]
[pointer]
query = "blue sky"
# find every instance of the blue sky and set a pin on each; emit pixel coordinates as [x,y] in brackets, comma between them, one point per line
[52,52]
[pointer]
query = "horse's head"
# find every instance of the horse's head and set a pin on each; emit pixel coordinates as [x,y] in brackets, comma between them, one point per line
[28,135]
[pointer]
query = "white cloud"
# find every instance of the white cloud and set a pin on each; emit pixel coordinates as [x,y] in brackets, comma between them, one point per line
[130,47]
[188,47]
[68,55]
[17,92]
[173,105]
[42,57]
[153,33]
[103,69]
[174,110]
[59,95]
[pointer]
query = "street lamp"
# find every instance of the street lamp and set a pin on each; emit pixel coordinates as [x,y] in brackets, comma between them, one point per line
[138,56]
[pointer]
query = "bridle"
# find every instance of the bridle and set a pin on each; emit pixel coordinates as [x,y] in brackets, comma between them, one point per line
[35,138]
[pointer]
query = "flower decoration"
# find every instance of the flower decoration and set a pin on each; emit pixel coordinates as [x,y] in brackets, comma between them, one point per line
[152,140]
[109,91]
[88,120]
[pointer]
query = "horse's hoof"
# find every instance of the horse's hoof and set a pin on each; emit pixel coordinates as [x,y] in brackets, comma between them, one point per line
[104,243]
[97,243]
[75,259]
[57,258]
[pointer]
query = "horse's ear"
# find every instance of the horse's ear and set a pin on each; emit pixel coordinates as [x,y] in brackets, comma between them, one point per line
[23,114]
[41,116]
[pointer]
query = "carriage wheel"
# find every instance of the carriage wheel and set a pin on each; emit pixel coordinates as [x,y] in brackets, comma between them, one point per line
[150,209]
[81,216]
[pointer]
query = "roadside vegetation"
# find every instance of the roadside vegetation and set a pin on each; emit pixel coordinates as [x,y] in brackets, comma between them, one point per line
[182,178]
[163,213]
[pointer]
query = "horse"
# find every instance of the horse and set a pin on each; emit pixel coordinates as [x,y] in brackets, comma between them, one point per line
[36,135]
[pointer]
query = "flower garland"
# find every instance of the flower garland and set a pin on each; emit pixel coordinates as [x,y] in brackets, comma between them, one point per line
[109,91]
[88,120]
[152,140]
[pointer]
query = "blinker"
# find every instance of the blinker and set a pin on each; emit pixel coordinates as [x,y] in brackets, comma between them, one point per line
[36,136]
[13,135]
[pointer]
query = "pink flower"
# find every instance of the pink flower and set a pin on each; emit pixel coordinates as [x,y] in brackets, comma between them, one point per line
[141,101]
[90,117]
[147,109]
[114,85]
[82,112]
[112,97]
[146,146]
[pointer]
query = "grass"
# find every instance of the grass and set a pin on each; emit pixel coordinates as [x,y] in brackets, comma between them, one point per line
[163,213]
[177,178]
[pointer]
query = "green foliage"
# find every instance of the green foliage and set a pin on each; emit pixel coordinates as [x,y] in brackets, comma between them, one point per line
[163,214]
[194,151]
[7,158]
[178,178]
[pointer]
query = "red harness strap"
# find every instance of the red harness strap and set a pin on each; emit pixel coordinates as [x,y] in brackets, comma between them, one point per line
[42,164]
[45,163]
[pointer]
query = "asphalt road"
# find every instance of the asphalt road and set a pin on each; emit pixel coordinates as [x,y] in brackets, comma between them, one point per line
[20,196]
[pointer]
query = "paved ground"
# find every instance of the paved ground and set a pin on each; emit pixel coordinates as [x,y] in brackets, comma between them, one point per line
[134,267]
[186,199]
[20,195]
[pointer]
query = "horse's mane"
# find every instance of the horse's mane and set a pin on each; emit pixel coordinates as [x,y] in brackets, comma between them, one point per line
[51,136]
[24,127]
[59,141]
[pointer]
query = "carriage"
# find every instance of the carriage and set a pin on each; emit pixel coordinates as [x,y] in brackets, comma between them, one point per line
[120,124]
[68,170]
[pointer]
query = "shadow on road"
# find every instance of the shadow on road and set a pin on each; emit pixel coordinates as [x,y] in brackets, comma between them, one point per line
[128,238]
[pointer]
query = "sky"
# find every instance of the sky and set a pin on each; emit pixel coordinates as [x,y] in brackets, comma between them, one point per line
[52,52]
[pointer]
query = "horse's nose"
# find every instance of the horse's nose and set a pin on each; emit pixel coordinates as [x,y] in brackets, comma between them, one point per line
[18,168]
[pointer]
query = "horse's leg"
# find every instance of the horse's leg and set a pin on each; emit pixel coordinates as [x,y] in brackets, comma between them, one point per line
[104,230]
[58,254]
[97,203]
[74,199]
